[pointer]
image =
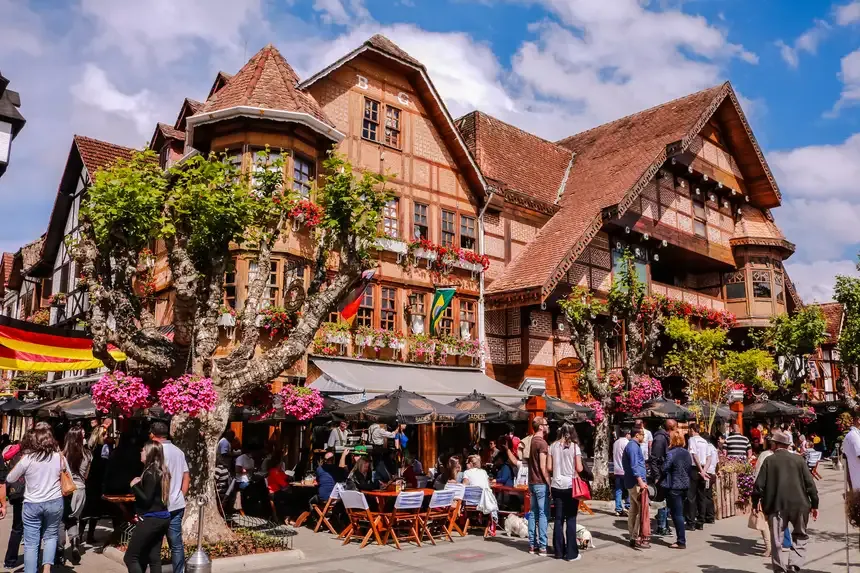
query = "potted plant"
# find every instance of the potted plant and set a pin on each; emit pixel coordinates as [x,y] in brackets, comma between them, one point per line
[306,213]
[364,336]
[58,299]
[392,244]
[336,332]
[189,394]
[118,391]
[228,317]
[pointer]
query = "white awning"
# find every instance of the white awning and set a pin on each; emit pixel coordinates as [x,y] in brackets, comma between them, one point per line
[343,376]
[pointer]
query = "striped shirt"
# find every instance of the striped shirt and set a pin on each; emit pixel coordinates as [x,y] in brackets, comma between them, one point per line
[737,445]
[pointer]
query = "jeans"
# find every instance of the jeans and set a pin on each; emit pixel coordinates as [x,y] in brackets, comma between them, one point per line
[663,517]
[675,503]
[16,534]
[539,515]
[144,547]
[619,494]
[174,540]
[41,524]
[565,509]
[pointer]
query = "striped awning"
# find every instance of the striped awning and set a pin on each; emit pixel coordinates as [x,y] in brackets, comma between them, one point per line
[36,348]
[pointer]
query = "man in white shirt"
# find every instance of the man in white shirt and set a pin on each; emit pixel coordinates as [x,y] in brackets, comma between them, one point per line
[696,495]
[851,450]
[338,437]
[618,470]
[180,479]
[378,433]
[645,446]
[711,470]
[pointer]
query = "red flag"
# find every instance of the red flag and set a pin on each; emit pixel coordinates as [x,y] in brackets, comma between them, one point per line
[349,306]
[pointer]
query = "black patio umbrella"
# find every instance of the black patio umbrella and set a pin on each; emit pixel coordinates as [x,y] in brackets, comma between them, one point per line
[558,410]
[76,408]
[11,405]
[481,408]
[722,414]
[664,409]
[40,408]
[774,409]
[251,414]
[400,407]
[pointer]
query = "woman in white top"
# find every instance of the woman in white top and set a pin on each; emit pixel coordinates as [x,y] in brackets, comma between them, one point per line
[475,475]
[565,461]
[43,498]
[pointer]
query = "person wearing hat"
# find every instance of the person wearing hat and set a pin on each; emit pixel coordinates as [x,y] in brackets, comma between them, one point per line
[788,496]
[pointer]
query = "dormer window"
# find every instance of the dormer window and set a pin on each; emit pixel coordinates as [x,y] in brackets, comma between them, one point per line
[164,155]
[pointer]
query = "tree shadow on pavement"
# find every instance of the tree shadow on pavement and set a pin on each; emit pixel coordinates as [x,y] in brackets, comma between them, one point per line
[741,546]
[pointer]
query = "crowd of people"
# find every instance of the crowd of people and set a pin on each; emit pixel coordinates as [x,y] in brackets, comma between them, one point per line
[55,491]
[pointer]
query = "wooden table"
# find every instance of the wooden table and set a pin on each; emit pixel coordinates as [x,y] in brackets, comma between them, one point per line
[387,494]
[520,491]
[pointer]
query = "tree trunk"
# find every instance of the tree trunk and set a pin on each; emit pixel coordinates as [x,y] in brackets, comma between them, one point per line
[198,438]
[601,450]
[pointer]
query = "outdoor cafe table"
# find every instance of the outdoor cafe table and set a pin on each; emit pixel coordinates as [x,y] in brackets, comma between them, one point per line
[518,491]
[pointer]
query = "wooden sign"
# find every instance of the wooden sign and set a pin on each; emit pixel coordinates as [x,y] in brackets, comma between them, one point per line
[569,365]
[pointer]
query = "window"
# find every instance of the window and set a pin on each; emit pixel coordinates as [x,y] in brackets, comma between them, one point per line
[64,278]
[388,309]
[164,155]
[303,174]
[418,302]
[761,284]
[257,166]
[270,293]
[448,230]
[392,126]
[370,125]
[699,216]
[390,219]
[467,319]
[446,323]
[420,222]
[365,309]
[467,232]
[736,286]
[778,287]
[639,257]
[230,285]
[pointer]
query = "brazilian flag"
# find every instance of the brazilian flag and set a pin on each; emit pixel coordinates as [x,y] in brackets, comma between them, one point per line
[441,299]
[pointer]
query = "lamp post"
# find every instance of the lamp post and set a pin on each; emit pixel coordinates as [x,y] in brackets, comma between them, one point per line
[11,121]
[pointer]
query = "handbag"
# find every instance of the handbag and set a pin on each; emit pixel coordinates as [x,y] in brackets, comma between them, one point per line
[580,489]
[67,484]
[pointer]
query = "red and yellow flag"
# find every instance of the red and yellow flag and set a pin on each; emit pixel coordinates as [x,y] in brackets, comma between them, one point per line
[349,306]
[37,348]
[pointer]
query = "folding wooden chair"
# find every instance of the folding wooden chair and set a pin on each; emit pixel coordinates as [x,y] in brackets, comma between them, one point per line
[324,512]
[459,491]
[407,510]
[439,514]
[471,498]
[360,516]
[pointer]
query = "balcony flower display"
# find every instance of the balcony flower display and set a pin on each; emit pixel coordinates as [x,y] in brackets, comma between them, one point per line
[58,299]
[629,399]
[379,338]
[422,348]
[444,259]
[189,394]
[658,304]
[120,392]
[300,402]
[336,332]
[306,213]
[41,316]
[275,319]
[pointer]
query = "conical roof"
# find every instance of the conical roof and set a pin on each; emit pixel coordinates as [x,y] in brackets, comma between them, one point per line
[266,81]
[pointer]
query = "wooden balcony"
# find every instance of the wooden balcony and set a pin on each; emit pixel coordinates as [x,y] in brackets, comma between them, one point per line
[687,295]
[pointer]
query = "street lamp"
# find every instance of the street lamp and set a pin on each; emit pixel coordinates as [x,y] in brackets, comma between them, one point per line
[11,121]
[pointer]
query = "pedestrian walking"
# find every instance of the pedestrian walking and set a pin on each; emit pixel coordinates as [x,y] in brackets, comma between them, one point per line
[676,481]
[539,482]
[738,445]
[180,480]
[788,496]
[762,524]
[79,460]
[15,495]
[633,463]
[618,470]
[565,459]
[40,467]
[711,470]
[659,451]
[151,498]
[696,500]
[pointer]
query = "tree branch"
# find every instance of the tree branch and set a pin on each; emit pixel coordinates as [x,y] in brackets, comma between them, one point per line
[249,332]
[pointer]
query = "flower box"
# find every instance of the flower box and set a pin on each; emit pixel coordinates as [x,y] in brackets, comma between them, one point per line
[337,338]
[392,245]
[422,253]
[472,267]
[227,320]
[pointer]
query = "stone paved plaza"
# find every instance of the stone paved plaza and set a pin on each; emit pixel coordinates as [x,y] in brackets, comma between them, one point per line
[725,547]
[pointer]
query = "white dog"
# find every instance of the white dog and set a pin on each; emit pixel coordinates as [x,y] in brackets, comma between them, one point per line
[583,537]
[516,526]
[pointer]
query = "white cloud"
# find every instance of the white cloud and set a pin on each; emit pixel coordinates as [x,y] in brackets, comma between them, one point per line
[814,281]
[820,171]
[95,89]
[806,42]
[848,13]
[850,76]
[342,12]
[822,229]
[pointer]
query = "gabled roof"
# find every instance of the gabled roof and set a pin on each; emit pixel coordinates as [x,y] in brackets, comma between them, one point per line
[267,81]
[5,269]
[97,154]
[756,227]
[164,132]
[834,314]
[613,163]
[220,82]
[189,108]
[381,46]
[514,160]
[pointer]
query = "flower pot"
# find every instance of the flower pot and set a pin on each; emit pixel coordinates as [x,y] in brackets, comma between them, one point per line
[422,253]
[337,338]
[392,245]
[227,320]
[471,267]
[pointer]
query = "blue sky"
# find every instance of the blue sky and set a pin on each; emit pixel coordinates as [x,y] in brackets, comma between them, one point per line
[111,69]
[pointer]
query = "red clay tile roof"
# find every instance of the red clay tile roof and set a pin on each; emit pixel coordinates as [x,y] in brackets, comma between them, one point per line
[266,81]
[171,132]
[30,254]
[383,44]
[194,105]
[756,227]
[6,265]
[515,159]
[833,313]
[98,154]
[611,163]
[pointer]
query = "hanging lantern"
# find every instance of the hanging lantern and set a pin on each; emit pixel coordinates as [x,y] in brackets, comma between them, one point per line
[627,230]
[698,192]
[705,177]
[646,236]
[664,243]
[719,184]
[656,257]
